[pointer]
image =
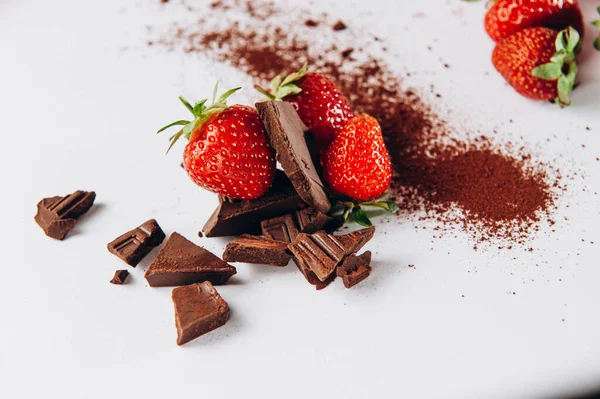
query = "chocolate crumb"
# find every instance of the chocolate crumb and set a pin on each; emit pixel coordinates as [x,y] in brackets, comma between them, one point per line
[311,23]
[339,25]
[346,53]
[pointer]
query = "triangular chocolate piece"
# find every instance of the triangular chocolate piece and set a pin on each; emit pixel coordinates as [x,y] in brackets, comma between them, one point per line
[198,309]
[354,241]
[181,262]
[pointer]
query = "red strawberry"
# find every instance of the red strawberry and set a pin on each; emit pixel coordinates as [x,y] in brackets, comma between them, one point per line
[506,17]
[228,151]
[318,101]
[539,63]
[357,164]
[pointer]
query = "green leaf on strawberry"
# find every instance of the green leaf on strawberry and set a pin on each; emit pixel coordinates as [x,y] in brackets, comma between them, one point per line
[280,87]
[562,66]
[360,217]
[596,24]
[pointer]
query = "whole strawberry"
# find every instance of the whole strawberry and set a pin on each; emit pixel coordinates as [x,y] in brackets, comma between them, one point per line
[506,17]
[357,163]
[539,63]
[228,151]
[318,101]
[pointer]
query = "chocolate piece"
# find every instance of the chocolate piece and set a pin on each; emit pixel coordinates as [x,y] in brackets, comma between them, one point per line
[134,245]
[235,217]
[311,220]
[320,253]
[282,228]
[312,278]
[355,269]
[254,249]
[58,215]
[198,309]
[181,262]
[339,25]
[120,277]
[286,135]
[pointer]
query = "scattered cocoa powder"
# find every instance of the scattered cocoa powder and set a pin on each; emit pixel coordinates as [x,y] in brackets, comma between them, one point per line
[491,191]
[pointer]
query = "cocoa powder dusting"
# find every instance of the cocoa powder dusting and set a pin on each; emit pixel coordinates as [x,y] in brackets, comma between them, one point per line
[491,191]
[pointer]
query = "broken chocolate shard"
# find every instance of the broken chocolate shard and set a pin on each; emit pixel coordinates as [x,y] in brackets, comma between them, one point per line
[58,215]
[198,309]
[259,250]
[320,253]
[282,228]
[355,269]
[311,220]
[235,217]
[120,277]
[134,245]
[287,136]
[181,262]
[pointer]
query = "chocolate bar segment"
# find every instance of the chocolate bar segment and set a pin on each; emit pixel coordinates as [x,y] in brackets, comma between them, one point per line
[198,309]
[58,215]
[181,262]
[353,242]
[120,277]
[282,228]
[236,217]
[255,249]
[134,245]
[355,269]
[287,136]
[319,252]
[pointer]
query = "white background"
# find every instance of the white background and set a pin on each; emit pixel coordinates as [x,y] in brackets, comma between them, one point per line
[80,98]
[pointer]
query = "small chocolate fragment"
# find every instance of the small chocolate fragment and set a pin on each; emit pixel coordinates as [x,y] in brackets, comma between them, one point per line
[120,277]
[235,217]
[134,245]
[355,269]
[58,215]
[339,25]
[181,262]
[311,23]
[311,220]
[198,309]
[320,253]
[286,134]
[255,249]
[282,228]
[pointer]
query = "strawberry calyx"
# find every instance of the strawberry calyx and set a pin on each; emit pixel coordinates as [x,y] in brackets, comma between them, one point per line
[201,113]
[354,211]
[281,87]
[562,66]
[596,23]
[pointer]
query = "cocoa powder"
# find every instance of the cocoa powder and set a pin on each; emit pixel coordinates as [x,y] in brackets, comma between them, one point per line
[491,191]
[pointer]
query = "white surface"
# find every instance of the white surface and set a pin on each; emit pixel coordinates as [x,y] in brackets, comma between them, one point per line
[80,98]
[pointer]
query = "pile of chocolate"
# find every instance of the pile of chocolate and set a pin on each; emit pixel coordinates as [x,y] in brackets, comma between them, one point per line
[289,222]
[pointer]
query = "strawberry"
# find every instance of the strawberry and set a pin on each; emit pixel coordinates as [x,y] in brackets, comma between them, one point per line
[357,163]
[228,151]
[506,17]
[318,101]
[539,63]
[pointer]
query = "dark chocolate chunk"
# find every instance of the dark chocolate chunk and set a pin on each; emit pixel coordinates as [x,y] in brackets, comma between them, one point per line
[286,134]
[282,228]
[311,220]
[339,25]
[120,277]
[58,215]
[181,262]
[355,269]
[255,249]
[320,253]
[198,309]
[235,217]
[134,245]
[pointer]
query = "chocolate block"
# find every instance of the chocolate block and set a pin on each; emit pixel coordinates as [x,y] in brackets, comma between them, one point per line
[320,253]
[235,217]
[355,269]
[120,277]
[58,215]
[310,220]
[134,245]
[254,249]
[198,309]
[282,228]
[286,134]
[181,262]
